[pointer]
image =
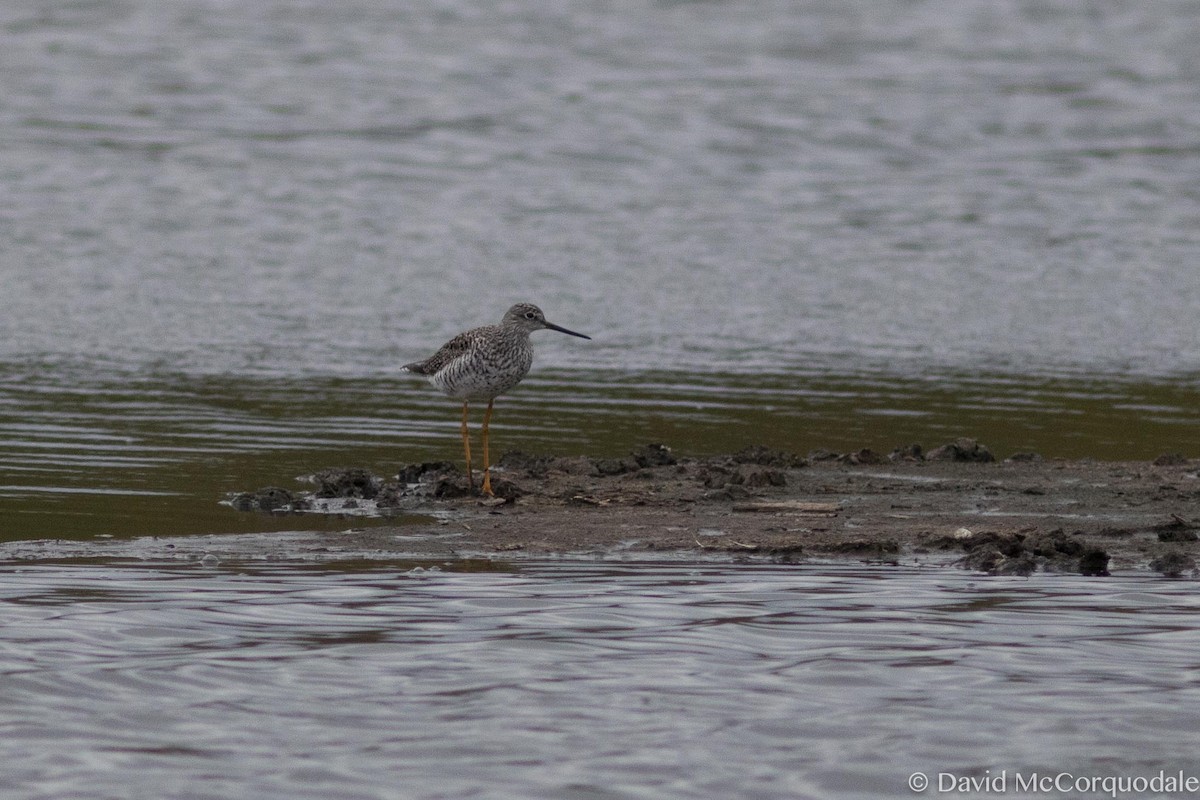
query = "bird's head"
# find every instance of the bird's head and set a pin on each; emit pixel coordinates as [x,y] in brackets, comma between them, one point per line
[531,318]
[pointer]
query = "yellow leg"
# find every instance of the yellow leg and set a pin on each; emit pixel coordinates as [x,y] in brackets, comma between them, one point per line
[487,474]
[467,446]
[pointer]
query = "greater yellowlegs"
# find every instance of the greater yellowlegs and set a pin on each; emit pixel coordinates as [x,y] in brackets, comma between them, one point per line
[484,363]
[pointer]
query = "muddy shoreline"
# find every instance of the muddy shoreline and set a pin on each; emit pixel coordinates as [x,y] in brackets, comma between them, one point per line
[955,505]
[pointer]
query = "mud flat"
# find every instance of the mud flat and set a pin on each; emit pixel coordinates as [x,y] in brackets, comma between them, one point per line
[955,504]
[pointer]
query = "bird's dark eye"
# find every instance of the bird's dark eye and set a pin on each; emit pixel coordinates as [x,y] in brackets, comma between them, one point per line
[530,315]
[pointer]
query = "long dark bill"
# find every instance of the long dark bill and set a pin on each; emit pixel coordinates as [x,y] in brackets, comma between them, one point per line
[561,329]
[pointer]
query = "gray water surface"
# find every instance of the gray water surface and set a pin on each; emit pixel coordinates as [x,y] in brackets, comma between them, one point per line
[810,225]
[296,187]
[393,679]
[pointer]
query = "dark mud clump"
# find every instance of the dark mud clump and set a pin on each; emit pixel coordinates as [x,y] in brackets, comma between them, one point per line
[961,450]
[865,456]
[269,499]
[737,475]
[1174,564]
[1177,530]
[1018,553]
[876,549]
[645,457]
[768,457]
[426,472]
[734,482]
[996,554]
[428,480]
[535,466]
[416,485]
[339,482]
[909,452]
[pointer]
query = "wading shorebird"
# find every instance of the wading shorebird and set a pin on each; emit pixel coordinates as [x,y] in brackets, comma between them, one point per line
[484,363]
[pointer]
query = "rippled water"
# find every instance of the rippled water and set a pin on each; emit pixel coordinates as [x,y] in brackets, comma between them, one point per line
[403,679]
[819,224]
[290,186]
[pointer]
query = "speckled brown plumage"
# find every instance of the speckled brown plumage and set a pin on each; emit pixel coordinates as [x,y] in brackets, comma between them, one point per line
[484,363]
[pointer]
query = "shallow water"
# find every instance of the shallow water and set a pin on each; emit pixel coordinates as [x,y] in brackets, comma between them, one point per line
[367,679]
[153,455]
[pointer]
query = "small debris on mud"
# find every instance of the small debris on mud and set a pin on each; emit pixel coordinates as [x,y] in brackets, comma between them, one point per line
[1174,564]
[768,457]
[337,482]
[955,503]
[961,450]
[1177,530]
[864,456]
[911,452]
[270,498]
[1023,553]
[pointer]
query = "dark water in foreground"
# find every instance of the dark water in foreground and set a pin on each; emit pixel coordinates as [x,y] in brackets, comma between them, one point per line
[391,679]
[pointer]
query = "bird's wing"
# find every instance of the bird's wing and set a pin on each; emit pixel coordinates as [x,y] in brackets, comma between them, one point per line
[451,350]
